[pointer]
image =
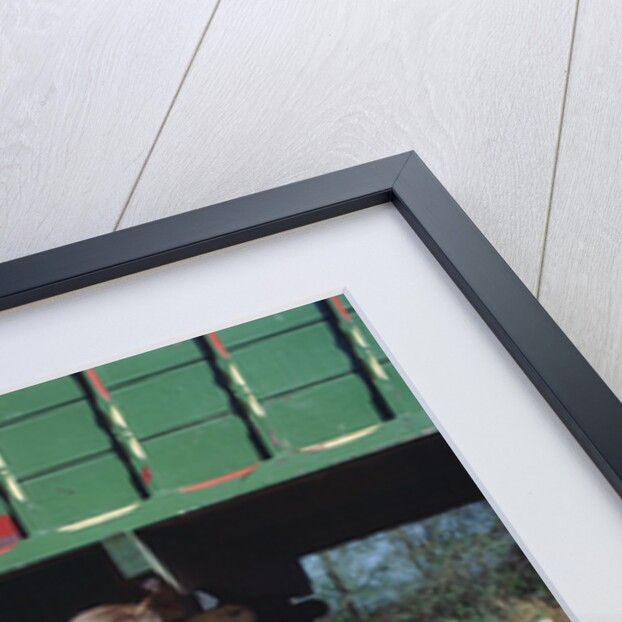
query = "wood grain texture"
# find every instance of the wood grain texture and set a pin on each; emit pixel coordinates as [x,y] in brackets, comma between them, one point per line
[84,87]
[282,91]
[582,272]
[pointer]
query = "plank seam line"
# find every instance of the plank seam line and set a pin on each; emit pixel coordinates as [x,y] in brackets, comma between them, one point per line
[547,218]
[167,115]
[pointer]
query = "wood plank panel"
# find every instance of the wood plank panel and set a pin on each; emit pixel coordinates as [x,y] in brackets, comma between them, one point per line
[582,272]
[292,360]
[282,91]
[84,87]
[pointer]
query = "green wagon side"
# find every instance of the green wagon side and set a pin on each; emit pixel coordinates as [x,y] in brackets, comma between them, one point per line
[167,433]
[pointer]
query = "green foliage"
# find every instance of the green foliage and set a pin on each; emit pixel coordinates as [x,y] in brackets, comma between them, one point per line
[460,566]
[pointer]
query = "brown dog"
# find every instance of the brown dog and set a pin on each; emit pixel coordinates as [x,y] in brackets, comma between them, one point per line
[142,612]
[120,613]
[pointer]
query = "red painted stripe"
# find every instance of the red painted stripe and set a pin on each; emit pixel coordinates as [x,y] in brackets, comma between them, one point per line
[218,344]
[9,533]
[7,526]
[146,475]
[220,479]
[343,312]
[4,549]
[98,384]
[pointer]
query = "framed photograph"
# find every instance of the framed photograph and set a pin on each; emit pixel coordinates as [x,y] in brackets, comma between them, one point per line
[330,361]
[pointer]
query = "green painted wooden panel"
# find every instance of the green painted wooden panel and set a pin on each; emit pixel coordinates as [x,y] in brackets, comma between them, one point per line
[271,325]
[44,546]
[148,363]
[81,491]
[201,452]
[375,347]
[400,399]
[345,302]
[52,438]
[172,399]
[295,362]
[38,397]
[323,412]
[373,344]
[292,360]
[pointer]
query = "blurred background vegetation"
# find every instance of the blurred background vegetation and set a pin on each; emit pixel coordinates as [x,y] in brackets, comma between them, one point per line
[461,566]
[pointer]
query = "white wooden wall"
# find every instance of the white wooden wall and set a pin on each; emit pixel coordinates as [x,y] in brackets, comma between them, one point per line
[112,114]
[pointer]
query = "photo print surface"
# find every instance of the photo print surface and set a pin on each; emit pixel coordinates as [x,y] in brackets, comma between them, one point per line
[278,470]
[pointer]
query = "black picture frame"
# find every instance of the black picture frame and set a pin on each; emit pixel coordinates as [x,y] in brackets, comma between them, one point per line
[572,388]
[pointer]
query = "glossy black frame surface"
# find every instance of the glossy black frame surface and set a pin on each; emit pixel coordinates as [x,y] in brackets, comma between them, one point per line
[573,389]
